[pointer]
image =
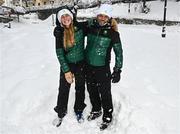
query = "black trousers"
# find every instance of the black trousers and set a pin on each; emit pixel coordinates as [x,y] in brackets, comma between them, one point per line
[99,88]
[64,87]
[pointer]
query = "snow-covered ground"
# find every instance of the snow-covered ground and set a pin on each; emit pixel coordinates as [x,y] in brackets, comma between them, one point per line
[146,101]
[156,11]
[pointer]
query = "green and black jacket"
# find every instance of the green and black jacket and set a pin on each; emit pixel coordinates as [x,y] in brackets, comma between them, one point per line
[100,41]
[74,54]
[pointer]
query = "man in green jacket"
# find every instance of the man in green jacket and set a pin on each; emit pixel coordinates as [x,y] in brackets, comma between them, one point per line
[101,38]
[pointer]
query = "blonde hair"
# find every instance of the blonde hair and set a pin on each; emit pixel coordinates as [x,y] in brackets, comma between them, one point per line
[69,36]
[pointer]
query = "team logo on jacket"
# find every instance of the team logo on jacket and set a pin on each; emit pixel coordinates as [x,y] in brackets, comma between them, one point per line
[105,32]
[75,28]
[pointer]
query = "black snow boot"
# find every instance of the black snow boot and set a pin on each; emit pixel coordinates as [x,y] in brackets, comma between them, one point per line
[93,115]
[107,119]
[106,122]
[104,125]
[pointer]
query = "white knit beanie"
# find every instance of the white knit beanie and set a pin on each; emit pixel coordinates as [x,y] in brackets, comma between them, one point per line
[63,12]
[105,9]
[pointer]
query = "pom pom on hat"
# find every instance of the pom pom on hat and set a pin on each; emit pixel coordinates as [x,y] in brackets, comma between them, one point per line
[105,9]
[63,12]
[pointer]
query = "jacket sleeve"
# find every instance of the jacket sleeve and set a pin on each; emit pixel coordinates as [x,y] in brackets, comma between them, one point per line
[83,25]
[117,47]
[60,52]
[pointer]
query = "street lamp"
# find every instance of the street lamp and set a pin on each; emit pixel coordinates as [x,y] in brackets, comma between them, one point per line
[144,6]
[164,20]
[129,6]
[52,2]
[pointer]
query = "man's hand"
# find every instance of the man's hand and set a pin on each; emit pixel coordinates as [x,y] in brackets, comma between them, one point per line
[116,76]
[69,77]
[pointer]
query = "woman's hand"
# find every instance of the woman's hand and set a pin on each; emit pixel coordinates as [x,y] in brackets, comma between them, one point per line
[69,77]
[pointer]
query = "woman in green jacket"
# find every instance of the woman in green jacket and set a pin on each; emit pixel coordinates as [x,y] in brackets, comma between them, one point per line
[69,35]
